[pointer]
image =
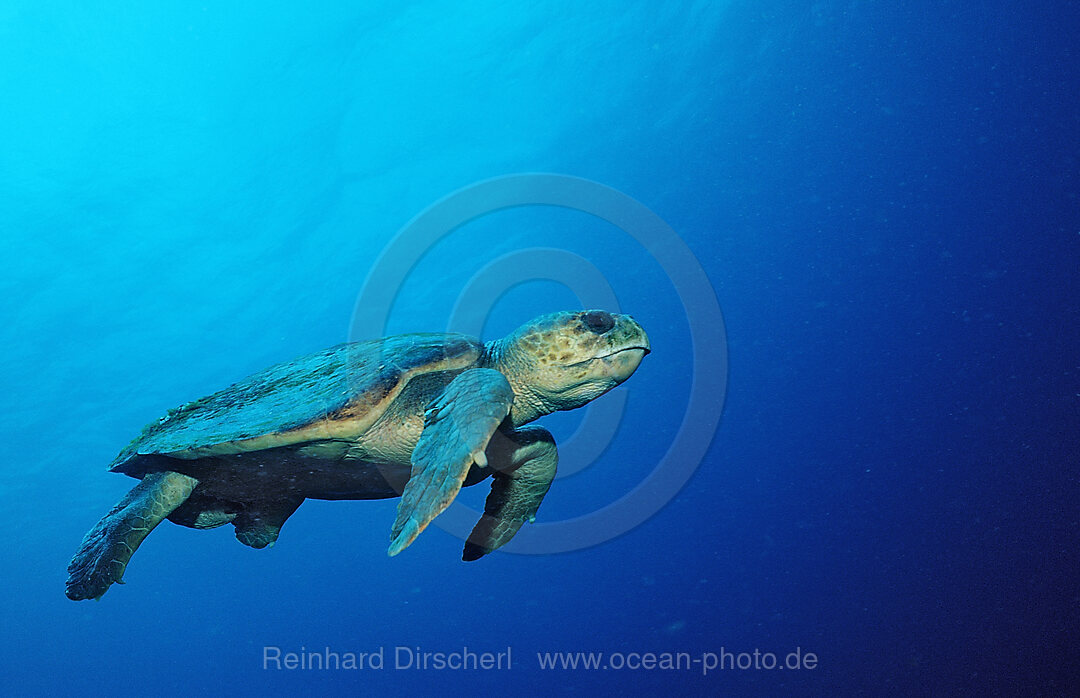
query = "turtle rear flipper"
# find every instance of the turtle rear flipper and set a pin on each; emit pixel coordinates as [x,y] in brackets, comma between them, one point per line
[457,427]
[516,492]
[107,548]
[258,526]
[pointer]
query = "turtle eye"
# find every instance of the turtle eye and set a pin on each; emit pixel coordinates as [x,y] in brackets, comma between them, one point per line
[598,321]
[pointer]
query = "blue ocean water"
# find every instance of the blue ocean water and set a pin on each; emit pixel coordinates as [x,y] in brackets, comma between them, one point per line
[883,196]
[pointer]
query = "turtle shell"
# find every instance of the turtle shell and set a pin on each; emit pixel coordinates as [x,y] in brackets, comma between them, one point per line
[337,393]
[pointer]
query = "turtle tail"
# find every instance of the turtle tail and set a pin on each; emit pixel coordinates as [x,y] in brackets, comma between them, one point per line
[107,548]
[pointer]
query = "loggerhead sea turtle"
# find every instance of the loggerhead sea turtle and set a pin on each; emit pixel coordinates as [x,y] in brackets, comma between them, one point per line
[416,415]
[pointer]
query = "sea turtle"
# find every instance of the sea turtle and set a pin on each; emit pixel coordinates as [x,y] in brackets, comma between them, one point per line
[416,415]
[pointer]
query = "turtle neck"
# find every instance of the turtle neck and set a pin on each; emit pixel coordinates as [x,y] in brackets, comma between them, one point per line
[500,355]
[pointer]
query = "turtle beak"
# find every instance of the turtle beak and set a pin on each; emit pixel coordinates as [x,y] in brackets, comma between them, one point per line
[628,345]
[631,335]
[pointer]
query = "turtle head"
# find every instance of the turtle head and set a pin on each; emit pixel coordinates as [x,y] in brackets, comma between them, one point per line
[563,360]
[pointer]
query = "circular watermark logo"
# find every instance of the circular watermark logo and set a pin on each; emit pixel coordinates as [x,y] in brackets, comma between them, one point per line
[598,427]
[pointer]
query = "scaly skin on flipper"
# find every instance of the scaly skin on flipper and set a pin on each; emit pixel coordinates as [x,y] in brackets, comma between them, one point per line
[457,427]
[107,548]
[516,494]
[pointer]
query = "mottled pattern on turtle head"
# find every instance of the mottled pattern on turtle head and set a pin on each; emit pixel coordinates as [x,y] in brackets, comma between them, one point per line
[563,360]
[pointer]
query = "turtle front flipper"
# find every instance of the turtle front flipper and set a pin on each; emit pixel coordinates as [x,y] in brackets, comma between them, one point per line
[457,427]
[516,492]
[107,548]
